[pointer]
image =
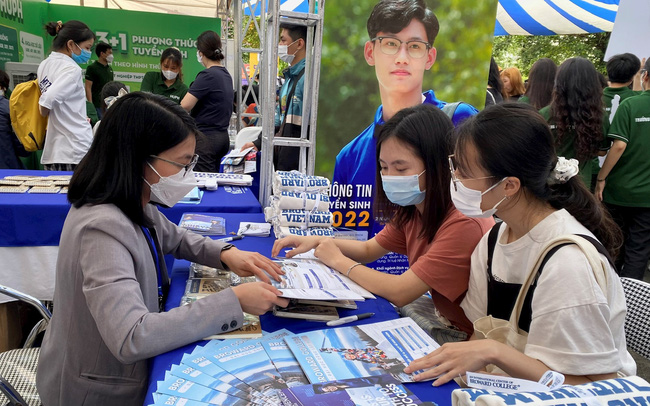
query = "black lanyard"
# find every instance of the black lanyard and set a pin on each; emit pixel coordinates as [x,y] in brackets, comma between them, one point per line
[161,269]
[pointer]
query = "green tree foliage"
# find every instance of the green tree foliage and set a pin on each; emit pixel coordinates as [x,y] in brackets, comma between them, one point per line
[523,51]
[349,94]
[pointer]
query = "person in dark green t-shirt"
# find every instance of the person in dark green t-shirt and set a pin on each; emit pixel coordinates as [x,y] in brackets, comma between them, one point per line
[624,180]
[98,74]
[621,71]
[576,112]
[540,83]
[168,81]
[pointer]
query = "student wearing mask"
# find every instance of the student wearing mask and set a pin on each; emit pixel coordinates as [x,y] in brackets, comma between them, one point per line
[63,97]
[168,81]
[111,279]
[209,100]
[505,162]
[98,74]
[413,192]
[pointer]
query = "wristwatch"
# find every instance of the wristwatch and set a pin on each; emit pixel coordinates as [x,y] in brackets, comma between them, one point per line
[226,248]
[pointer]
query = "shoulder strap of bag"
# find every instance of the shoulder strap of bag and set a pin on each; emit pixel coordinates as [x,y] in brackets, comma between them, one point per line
[586,246]
[450,109]
[492,242]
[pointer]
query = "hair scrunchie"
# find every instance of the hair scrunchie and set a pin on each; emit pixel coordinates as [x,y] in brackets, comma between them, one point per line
[59,25]
[564,170]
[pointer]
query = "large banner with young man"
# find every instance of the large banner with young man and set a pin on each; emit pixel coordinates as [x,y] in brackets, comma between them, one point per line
[361,66]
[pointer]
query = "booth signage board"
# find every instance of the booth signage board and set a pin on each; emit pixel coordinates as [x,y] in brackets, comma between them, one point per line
[21,32]
[138,38]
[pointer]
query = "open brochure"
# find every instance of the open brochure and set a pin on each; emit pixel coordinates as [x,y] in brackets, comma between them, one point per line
[368,391]
[311,279]
[359,351]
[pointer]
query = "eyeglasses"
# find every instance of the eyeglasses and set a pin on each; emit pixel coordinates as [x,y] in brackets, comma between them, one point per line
[391,46]
[454,178]
[187,167]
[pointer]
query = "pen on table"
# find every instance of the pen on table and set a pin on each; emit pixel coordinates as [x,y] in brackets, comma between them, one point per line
[233,238]
[349,319]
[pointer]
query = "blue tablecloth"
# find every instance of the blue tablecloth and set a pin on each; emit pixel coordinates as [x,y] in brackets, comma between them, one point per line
[37,219]
[381,307]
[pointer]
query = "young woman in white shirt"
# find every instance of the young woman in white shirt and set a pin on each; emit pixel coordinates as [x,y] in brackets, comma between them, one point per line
[63,97]
[505,162]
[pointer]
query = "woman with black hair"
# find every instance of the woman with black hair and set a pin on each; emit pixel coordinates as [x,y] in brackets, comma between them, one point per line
[111,279]
[210,102]
[494,93]
[414,198]
[540,83]
[575,114]
[63,96]
[505,162]
[168,81]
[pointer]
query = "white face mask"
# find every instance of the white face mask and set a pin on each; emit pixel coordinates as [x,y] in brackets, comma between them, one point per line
[169,75]
[403,190]
[109,58]
[199,57]
[468,201]
[169,190]
[283,53]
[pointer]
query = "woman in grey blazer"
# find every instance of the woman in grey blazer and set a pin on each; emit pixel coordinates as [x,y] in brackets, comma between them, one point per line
[111,276]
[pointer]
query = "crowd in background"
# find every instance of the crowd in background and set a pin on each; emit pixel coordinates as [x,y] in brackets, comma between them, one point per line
[599,122]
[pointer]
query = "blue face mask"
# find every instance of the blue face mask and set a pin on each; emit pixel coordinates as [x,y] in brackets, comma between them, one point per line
[83,57]
[403,190]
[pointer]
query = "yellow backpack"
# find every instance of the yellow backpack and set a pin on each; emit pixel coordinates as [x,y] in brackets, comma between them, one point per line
[26,120]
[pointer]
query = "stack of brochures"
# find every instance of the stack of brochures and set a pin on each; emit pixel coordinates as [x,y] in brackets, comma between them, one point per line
[204,281]
[352,363]
[203,223]
[233,179]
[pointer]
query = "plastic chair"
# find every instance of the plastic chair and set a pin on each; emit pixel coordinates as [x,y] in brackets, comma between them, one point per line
[18,367]
[637,320]
[246,134]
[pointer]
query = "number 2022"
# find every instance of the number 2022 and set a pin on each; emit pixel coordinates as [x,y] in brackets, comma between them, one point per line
[350,218]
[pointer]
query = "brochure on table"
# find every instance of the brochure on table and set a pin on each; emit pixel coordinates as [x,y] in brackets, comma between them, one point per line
[368,391]
[282,357]
[358,351]
[311,279]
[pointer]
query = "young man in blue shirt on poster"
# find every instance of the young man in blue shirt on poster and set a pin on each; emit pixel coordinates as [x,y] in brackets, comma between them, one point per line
[401,49]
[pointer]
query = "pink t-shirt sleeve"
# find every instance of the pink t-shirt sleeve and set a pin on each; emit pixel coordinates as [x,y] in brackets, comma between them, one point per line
[445,265]
[392,239]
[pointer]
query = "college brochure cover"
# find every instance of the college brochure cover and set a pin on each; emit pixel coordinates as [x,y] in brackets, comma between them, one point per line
[360,351]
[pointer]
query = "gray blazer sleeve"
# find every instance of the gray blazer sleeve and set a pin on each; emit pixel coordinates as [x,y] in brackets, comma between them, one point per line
[120,287]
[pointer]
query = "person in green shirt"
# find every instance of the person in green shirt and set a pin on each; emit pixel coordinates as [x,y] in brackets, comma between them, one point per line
[98,74]
[540,83]
[168,81]
[621,71]
[624,180]
[575,114]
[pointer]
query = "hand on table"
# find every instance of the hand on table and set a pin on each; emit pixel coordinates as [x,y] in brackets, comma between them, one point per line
[246,263]
[328,252]
[300,244]
[452,360]
[258,297]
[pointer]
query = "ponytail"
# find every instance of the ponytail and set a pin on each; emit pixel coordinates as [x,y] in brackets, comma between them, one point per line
[71,30]
[574,197]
